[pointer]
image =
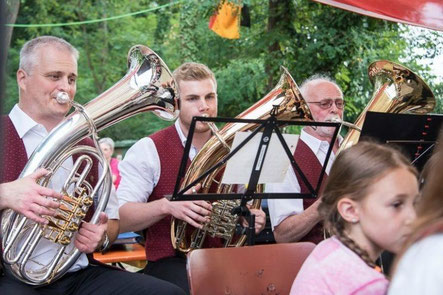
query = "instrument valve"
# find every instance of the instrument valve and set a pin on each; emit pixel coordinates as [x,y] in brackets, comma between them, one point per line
[80,213]
[65,240]
[87,201]
[72,227]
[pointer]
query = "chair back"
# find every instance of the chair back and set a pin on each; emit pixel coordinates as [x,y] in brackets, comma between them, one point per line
[262,269]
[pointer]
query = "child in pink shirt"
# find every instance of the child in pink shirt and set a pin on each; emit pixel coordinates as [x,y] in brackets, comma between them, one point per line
[368,205]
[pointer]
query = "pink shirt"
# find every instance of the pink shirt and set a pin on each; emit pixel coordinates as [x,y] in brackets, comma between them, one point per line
[114,170]
[332,268]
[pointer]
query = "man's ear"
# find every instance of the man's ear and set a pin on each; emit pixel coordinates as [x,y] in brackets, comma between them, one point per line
[348,210]
[21,78]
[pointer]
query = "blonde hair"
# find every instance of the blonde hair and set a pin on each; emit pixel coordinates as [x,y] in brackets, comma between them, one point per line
[192,71]
[354,171]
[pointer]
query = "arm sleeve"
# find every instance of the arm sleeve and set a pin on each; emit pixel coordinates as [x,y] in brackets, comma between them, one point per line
[140,172]
[280,209]
[112,207]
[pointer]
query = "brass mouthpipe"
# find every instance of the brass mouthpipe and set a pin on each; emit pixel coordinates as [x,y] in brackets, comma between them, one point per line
[347,124]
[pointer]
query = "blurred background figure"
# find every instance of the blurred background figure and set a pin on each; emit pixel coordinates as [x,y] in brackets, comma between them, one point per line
[418,269]
[107,147]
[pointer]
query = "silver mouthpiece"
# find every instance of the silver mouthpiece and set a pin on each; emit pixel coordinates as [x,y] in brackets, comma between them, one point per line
[336,120]
[62,97]
[347,124]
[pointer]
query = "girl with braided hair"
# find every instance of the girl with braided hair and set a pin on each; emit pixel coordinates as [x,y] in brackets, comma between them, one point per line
[367,206]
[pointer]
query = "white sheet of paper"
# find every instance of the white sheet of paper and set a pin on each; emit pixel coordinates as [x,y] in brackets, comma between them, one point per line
[276,163]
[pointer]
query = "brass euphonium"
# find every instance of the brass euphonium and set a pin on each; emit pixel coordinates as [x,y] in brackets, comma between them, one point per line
[397,89]
[147,86]
[291,105]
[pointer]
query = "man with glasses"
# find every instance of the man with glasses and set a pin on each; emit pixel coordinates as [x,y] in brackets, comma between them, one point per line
[296,220]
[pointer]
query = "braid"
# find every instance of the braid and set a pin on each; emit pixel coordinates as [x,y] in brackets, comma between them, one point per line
[348,242]
[378,160]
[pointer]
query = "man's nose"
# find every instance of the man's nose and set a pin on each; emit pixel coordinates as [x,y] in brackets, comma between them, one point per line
[203,104]
[64,84]
[334,109]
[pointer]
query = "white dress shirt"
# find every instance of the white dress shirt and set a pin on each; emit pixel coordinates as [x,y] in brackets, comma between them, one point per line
[279,209]
[419,270]
[32,134]
[140,169]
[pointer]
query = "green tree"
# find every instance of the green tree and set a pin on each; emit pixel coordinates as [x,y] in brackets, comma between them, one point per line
[304,36]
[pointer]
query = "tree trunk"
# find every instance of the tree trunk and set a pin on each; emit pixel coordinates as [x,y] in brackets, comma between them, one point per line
[280,18]
[11,10]
[8,15]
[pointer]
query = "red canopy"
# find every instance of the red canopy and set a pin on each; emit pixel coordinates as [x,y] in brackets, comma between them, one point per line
[424,13]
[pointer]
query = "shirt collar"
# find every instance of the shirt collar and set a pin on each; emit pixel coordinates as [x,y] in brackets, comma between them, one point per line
[23,123]
[316,144]
[182,137]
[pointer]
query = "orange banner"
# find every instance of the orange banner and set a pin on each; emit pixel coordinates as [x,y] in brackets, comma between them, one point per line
[225,22]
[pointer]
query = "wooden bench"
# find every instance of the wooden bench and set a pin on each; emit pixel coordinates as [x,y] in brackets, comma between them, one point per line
[132,254]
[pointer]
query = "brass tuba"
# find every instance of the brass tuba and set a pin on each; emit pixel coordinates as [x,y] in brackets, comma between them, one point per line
[397,90]
[147,86]
[291,105]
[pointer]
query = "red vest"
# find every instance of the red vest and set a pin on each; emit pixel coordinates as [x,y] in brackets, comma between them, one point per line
[158,236]
[14,157]
[13,151]
[311,167]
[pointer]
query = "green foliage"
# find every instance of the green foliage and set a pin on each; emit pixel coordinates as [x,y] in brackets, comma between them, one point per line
[240,84]
[304,36]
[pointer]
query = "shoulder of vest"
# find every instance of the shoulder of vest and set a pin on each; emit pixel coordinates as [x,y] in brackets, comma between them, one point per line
[164,132]
[6,121]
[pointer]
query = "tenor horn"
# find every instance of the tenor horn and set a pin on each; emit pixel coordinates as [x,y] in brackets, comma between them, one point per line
[290,105]
[147,86]
[397,89]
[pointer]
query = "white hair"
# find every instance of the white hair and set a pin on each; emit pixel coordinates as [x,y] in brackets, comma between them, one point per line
[314,80]
[29,49]
[108,141]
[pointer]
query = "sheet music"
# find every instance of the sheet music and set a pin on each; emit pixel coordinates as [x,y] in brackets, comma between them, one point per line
[276,163]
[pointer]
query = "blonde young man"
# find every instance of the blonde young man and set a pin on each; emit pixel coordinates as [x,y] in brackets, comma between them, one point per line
[48,66]
[149,171]
[296,220]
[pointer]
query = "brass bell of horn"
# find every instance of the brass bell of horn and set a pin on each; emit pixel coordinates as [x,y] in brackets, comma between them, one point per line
[397,89]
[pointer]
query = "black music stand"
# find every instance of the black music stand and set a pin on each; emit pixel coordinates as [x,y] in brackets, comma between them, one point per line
[415,134]
[268,126]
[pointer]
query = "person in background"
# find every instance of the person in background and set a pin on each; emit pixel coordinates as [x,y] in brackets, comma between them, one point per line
[368,207]
[107,147]
[296,220]
[419,266]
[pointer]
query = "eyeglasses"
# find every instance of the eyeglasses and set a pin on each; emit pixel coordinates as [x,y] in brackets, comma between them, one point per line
[327,103]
